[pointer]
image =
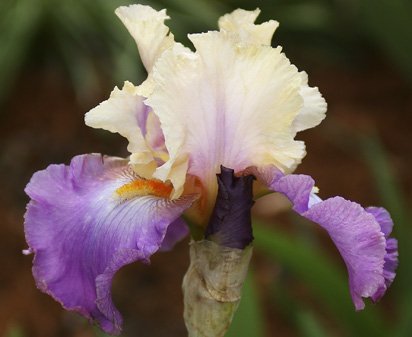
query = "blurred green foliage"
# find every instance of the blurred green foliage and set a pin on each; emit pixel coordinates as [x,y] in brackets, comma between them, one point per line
[14,331]
[394,201]
[249,319]
[326,281]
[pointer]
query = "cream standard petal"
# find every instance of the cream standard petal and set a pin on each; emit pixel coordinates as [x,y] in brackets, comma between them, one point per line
[234,107]
[314,106]
[125,113]
[241,23]
[147,27]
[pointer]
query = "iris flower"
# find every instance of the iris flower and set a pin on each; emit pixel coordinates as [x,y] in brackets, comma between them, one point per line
[235,102]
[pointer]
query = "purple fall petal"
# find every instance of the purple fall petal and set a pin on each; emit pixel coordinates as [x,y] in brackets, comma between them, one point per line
[176,231]
[81,232]
[384,219]
[298,188]
[358,239]
[360,235]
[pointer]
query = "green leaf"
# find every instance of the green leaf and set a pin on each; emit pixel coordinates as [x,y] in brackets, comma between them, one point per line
[308,325]
[248,320]
[99,333]
[14,331]
[388,188]
[296,314]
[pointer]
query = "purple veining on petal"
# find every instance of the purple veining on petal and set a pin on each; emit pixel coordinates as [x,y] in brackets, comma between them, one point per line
[81,232]
[154,135]
[360,235]
[149,125]
[141,117]
[158,141]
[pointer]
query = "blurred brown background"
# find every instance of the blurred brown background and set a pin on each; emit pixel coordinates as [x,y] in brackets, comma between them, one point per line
[60,59]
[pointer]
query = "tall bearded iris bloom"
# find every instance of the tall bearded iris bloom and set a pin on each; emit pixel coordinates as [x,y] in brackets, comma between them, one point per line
[231,107]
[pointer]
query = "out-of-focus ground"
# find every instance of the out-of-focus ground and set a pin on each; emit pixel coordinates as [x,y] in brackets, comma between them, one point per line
[42,123]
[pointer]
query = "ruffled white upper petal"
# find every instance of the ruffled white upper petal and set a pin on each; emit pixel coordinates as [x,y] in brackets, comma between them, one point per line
[147,27]
[227,104]
[125,113]
[241,23]
[314,106]
[235,102]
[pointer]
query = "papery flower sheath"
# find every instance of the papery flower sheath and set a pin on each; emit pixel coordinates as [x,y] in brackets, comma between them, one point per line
[232,106]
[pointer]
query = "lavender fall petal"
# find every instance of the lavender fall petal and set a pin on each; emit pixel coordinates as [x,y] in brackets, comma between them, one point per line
[360,235]
[384,219]
[81,232]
